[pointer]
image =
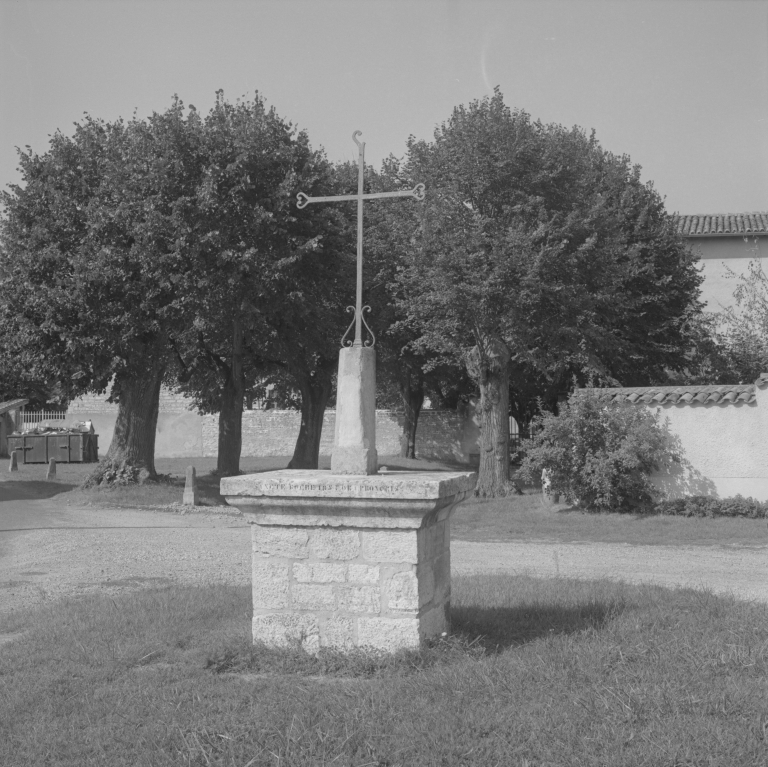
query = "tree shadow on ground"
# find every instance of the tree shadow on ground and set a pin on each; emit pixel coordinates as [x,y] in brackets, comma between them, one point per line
[398,463]
[503,627]
[32,490]
[208,487]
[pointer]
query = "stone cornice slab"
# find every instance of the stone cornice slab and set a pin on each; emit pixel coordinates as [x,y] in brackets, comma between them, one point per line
[306,498]
[394,485]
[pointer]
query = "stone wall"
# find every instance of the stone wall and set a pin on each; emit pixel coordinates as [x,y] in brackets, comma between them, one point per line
[721,430]
[182,432]
[725,449]
[344,587]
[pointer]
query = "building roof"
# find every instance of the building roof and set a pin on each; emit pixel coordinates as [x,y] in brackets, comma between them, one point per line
[683,395]
[723,224]
[12,404]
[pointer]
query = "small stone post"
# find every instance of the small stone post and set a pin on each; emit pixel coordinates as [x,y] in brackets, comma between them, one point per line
[190,488]
[548,498]
[51,473]
[14,464]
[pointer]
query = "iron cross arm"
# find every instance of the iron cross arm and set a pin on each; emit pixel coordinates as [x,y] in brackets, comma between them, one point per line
[417,192]
[303,200]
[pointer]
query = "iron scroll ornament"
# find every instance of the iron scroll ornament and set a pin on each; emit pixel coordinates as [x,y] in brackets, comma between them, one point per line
[418,193]
[368,342]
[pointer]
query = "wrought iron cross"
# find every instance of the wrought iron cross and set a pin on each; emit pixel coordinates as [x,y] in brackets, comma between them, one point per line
[417,192]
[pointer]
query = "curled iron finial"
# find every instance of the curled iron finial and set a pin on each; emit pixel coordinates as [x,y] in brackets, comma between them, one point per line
[372,342]
[354,138]
[348,342]
[418,191]
[344,341]
[303,200]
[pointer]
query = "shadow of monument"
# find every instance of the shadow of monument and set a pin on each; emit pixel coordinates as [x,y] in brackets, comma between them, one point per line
[503,627]
[18,490]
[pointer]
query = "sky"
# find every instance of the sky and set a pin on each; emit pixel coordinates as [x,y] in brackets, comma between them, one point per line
[681,87]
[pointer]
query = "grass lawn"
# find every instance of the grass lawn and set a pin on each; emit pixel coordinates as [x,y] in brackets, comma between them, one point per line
[538,673]
[526,518]
[509,519]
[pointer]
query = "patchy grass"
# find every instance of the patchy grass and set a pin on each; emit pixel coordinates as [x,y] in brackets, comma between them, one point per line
[526,517]
[539,672]
[508,519]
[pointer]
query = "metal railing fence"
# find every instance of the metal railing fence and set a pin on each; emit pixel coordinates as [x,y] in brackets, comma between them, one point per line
[38,416]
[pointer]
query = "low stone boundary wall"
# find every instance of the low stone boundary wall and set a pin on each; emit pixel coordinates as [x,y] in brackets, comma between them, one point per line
[182,432]
[721,430]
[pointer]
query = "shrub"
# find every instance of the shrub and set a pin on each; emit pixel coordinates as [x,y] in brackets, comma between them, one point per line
[706,506]
[600,456]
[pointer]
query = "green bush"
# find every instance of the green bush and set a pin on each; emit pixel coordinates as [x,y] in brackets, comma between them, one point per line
[600,456]
[706,506]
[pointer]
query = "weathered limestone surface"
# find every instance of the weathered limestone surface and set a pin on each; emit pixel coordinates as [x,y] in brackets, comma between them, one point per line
[354,443]
[190,488]
[349,561]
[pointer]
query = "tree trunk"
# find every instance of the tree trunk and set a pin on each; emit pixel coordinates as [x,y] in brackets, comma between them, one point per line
[231,411]
[133,440]
[412,394]
[488,365]
[315,393]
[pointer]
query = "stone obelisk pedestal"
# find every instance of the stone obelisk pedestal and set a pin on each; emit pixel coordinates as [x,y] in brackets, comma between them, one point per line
[354,443]
[349,561]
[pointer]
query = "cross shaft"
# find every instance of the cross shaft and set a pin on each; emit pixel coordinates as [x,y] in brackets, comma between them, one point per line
[303,200]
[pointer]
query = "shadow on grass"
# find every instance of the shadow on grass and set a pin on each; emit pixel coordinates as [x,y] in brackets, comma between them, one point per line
[503,627]
[397,463]
[30,490]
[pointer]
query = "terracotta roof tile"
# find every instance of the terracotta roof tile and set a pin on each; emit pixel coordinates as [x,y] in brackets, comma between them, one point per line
[684,395]
[722,224]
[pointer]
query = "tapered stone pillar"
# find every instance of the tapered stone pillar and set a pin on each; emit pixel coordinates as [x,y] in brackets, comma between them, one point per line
[354,443]
[189,498]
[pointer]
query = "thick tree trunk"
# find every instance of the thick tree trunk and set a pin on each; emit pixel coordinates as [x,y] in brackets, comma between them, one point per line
[231,412]
[488,365]
[133,440]
[315,393]
[412,395]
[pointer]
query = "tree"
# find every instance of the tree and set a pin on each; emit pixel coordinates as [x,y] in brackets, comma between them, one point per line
[544,255]
[310,321]
[92,246]
[168,250]
[248,243]
[744,328]
[413,373]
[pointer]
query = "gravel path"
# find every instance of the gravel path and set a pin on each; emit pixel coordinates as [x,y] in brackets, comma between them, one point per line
[736,570]
[86,550]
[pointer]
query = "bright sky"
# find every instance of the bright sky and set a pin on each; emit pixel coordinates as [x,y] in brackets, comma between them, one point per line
[681,87]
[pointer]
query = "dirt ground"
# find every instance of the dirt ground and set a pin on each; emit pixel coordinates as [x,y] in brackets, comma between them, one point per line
[49,550]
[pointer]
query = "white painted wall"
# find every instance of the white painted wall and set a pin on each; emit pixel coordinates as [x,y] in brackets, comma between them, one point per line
[718,257]
[725,448]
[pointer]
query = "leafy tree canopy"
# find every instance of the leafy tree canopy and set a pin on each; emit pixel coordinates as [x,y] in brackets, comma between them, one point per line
[542,254]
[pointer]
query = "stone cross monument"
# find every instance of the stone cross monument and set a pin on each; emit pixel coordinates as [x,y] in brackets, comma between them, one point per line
[354,444]
[348,557]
